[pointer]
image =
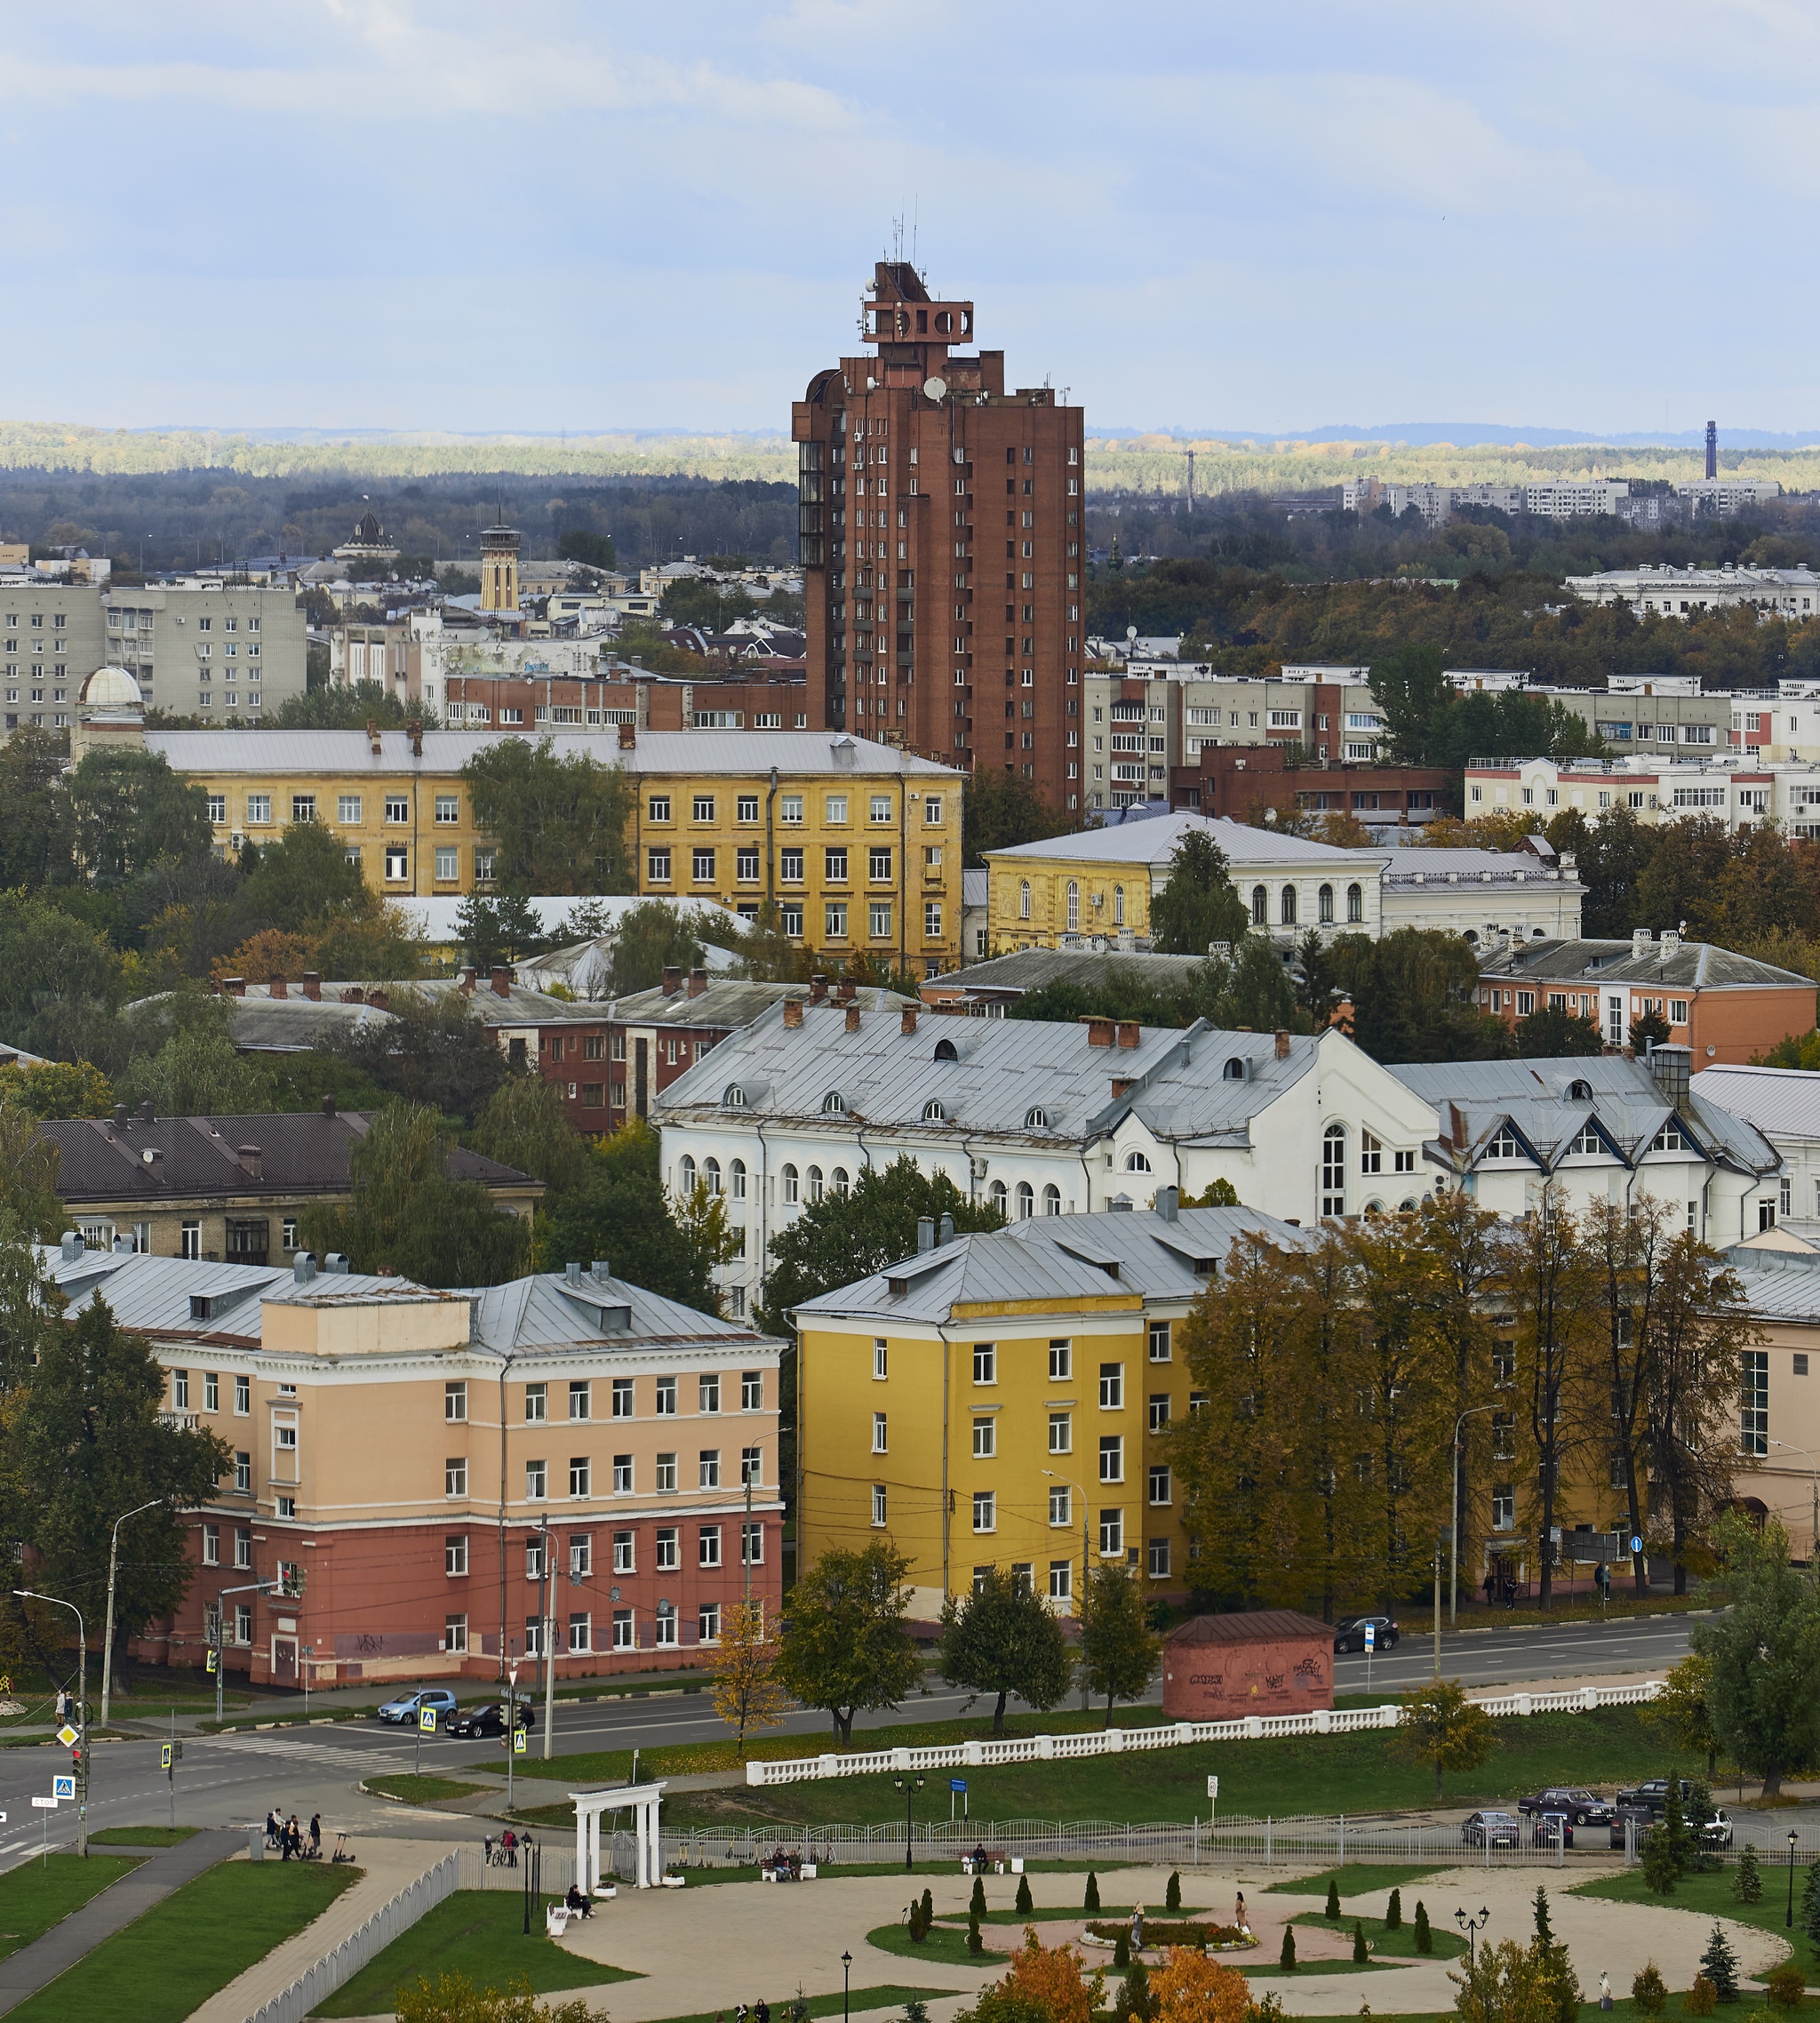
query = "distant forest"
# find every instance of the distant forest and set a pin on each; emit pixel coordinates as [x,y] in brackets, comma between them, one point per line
[185,519]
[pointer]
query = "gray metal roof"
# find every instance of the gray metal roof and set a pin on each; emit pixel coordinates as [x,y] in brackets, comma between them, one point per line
[152,1295]
[1548,1103]
[1687,965]
[976,888]
[1055,1258]
[733,1002]
[1435,866]
[1780,1102]
[1778,1285]
[1030,969]
[545,1314]
[1154,842]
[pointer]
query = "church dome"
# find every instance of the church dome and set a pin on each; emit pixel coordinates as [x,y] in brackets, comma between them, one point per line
[110,688]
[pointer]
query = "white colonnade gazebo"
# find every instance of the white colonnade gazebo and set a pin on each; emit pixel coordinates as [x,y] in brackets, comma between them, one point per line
[642,1801]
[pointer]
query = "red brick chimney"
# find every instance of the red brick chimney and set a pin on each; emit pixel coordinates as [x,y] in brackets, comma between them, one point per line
[672,979]
[235,986]
[629,736]
[698,982]
[792,1011]
[852,1018]
[1282,1045]
[818,989]
[502,980]
[1130,1032]
[1099,1031]
[313,986]
[909,1025]
[277,987]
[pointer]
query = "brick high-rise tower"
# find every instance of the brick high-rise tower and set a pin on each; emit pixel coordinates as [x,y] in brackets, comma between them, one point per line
[906,460]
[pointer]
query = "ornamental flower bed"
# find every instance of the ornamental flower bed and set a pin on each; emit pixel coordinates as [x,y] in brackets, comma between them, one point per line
[1164,1932]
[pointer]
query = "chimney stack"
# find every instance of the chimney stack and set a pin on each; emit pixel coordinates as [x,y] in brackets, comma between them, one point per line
[1130,1032]
[572,1272]
[233,986]
[792,1011]
[313,986]
[1169,1203]
[909,1019]
[629,736]
[502,980]
[698,982]
[944,1232]
[277,987]
[1282,1045]
[328,1106]
[852,1018]
[925,1234]
[672,979]
[253,1162]
[1641,938]
[1712,449]
[1099,1031]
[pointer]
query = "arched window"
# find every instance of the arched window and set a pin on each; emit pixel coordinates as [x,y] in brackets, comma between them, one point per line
[1233,1070]
[1024,898]
[735,1180]
[932,1111]
[997,1192]
[1326,905]
[685,1174]
[711,1173]
[1074,907]
[1355,904]
[1051,1199]
[1026,1201]
[946,1050]
[1288,906]
[1037,1118]
[1579,1091]
[1260,907]
[1333,1170]
[1136,1163]
[733,1097]
[842,1184]
[817,1187]
[792,1185]
[1117,906]
[1374,1208]
[834,1104]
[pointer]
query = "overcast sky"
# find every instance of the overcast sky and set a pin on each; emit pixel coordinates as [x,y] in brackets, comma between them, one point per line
[440,214]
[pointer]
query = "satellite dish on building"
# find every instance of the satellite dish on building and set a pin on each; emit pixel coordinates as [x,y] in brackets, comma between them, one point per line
[935,389]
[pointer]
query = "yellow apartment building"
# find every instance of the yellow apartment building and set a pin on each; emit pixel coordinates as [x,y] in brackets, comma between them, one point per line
[859,844]
[1005,1400]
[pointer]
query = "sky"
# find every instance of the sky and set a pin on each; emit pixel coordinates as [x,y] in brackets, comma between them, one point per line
[437,214]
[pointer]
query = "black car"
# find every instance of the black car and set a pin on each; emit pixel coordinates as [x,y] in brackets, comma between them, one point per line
[1584,1808]
[1497,1829]
[1349,1633]
[1652,1796]
[489,1718]
[1552,1829]
[1638,1815]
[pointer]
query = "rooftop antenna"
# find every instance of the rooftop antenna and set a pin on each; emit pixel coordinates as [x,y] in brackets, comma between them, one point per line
[915,221]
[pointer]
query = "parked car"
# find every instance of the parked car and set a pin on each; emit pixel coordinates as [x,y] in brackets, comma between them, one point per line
[1638,1815]
[1653,1793]
[1494,1829]
[1550,1827]
[1716,1831]
[1349,1633]
[1584,1808]
[489,1718]
[403,1711]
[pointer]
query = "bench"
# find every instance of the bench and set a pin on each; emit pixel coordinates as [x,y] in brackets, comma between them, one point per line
[996,1860]
[557,1920]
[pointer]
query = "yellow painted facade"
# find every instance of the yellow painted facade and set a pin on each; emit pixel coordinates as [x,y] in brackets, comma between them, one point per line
[1028,902]
[999,1445]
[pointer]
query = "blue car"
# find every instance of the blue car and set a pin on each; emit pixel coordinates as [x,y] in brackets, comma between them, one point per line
[404,1713]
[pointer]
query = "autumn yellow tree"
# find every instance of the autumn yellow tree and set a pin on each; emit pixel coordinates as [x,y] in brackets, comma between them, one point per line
[1189,1988]
[743,1679]
[1044,1981]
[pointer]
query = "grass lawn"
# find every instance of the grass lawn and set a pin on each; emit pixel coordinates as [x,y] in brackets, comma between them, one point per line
[1313,1774]
[862,1999]
[1710,1896]
[476,1932]
[140,1836]
[1359,1878]
[946,1945]
[39,1895]
[1398,1945]
[409,1790]
[169,1962]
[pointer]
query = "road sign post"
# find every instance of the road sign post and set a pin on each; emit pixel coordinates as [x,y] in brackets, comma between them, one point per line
[46,1806]
[515,1741]
[957,1784]
[1370,1643]
[426,1725]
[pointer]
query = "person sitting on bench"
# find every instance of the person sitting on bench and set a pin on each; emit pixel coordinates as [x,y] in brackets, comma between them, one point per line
[578,1905]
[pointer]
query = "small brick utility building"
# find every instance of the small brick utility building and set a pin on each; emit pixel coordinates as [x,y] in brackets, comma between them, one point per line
[1266,1661]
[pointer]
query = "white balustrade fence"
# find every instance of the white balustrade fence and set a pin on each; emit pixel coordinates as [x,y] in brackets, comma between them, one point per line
[318,1982]
[1166,1735]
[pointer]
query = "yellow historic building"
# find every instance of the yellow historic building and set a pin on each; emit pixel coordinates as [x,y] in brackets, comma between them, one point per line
[1005,1400]
[859,844]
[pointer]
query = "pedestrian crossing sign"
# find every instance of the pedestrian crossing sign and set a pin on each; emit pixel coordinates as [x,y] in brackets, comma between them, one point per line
[214,1661]
[427,1720]
[67,1736]
[518,1741]
[164,1755]
[63,1787]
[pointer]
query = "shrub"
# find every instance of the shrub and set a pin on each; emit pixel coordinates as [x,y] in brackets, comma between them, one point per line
[1661,1869]
[1699,1999]
[1121,1949]
[1135,1999]
[1720,1965]
[915,2010]
[919,1930]
[1394,1912]
[1425,1936]
[1025,1903]
[975,1905]
[1747,1879]
[975,1943]
[1785,1986]
[1172,1896]
[1649,1990]
[1090,1901]
[1333,1898]
[927,1911]
[1361,1952]
[1287,1957]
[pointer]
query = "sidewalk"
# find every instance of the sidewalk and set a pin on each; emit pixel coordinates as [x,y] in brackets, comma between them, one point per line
[163,1870]
[387,1865]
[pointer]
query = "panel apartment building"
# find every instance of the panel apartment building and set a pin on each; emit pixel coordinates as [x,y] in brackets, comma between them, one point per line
[901,458]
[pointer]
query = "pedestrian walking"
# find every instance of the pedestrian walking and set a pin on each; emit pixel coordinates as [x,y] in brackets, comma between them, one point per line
[1605,1991]
[1239,1912]
[316,1836]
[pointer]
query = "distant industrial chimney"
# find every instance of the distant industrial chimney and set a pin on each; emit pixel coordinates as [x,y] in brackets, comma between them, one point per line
[1712,449]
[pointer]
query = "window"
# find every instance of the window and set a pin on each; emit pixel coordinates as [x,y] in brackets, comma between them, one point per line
[622,1398]
[657,866]
[701,866]
[986,1363]
[669,1548]
[1159,1484]
[398,861]
[624,1551]
[1355,904]
[1136,1163]
[1061,1362]
[1026,1201]
[580,1556]
[580,1476]
[191,1243]
[243,1397]
[1060,1508]
[1260,907]
[1753,1424]
[1061,1433]
[666,1398]
[985,1445]
[751,1390]
[448,865]
[835,919]
[454,1402]
[1159,1559]
[1111,1534]
[1160,1410]
[536,1478]
[1061,1579]
[1288,906]
[880,1504]
[622,1629]
[751,1544]
[534,1397]
[707,1550]
[242,1620]
[1112,1458]
[1024,898]
[212,1545]
[708,1462]
[180,1390]
[622,1474]
[1504,1508]
[1112,1386]
[1333,1170]
[397,808]
[702,808]
[1160,1341]
[211,1391]
[259,811]
[455,1554]
[1504,1144]
[242,1548]
[985,1510]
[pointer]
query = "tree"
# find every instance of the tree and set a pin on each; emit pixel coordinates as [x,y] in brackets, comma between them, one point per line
[1652,1030]
[1747,1877]
[1508,1983]
[90,1441]
[1649,1990]
[1719,1964]
[1412,993]
[1189,1988]
[406,1215]
[845,1646]
[1248,989]
[1763,1652]
[196,1070]
[37,839]
[651,936]
[742,1680]
[350,706]
[497,929]
[521,1125]
[1423,1930]
[60,982]
[453,1998]
[1043,1985]
[1118,1653]
[1286,1956]
[300,876]
[1555,1033]
[592,550]
[1440,1726]
[558,822]
[1683,1713]
[30,1166]
[432,1050]
[1002,809]
[618,1210]
[1001,1638]
[1197,906]
[130,810]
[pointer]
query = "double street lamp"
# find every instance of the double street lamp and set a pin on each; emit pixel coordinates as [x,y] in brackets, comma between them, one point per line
[909,1787]
[1473,1927]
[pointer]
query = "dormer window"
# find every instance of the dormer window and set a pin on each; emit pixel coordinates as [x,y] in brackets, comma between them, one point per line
[1233,1070]
[1588,1141]
[1037,1118]
[1579,1091]
[834,1104]
[1669,1138]
[1504,1146]
[944,1050]
[733,1097]
[933,1112]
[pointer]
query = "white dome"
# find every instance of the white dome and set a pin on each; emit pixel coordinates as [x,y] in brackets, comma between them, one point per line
[111,688]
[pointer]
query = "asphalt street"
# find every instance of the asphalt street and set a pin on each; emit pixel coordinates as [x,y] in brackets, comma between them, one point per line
[231,1779]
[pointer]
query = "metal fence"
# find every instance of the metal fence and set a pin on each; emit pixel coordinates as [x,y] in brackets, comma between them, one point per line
[320,1981]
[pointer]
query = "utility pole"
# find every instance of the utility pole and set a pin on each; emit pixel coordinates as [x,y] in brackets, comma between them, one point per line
[549,1652]
[746,1537]
[113,1569]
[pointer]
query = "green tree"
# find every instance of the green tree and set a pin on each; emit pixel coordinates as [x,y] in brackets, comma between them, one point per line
[1682,1712]
[90,1441]
[55,1089]
[301,876]
[1554,1033]
[351,706]
[195,1070]
[651,936]
[130,810]
[60,982]
[583,545]
[742,1682]
[1002,809]
[1652,1030]
[1764,1651]
[406,1215]
[37,839]
[497,929]
[618,1210]
[453,1998]
[1508,1983]
[31,1165]
[1001,1638]
[558,820]
[1248,990]
[1412,993]
[1747,1877]
[1197,906]
[1413,693]
[521,1125]
[846,1648]
[432,1050]
[1440,1726]
[1118,1651]
[1719,1964]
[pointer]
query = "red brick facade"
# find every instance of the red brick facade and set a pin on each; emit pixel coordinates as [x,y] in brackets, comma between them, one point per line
[1238,781]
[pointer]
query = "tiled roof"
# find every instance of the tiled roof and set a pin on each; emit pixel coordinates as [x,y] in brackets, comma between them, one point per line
[1688,965]
[1154,841]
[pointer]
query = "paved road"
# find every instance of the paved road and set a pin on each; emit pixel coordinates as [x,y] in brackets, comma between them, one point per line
[232,1778]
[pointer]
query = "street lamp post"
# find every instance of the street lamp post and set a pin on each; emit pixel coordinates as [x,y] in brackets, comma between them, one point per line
[82,1703]
[846,1986]
[909,1787]
[1792,1838]
[1472,1927]
[112,1569]
[1453,1606]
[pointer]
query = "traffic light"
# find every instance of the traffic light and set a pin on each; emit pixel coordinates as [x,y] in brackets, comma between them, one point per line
[75,1757]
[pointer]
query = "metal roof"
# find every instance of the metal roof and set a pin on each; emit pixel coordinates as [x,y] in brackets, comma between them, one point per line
[545,1314]
[1681,965]
[1154,841]
[1055,1258]
[1780,1102]
[1252,1625]
[1778,1285]
[733,1001]
[1549,1102]
[1435,866]
[1030,969]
